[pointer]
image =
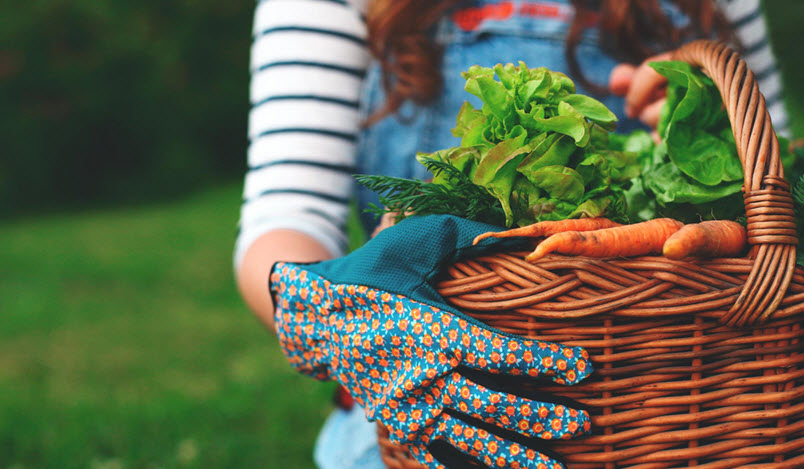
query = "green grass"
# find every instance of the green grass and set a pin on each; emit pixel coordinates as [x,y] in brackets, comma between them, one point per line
[124,344]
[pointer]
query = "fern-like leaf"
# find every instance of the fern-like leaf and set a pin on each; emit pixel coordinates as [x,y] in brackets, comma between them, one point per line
[460,197]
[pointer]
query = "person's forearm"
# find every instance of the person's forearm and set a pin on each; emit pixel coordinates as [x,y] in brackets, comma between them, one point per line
[252,274]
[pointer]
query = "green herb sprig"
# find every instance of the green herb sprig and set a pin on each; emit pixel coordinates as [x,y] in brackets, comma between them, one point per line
[461,197]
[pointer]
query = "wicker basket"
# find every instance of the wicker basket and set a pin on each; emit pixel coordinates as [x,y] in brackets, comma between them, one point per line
[698,363]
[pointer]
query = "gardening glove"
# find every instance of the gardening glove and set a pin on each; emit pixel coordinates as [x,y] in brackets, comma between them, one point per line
[372,321]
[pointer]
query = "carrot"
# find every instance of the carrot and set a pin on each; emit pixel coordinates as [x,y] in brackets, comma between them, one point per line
[548,228]
[714,238]
[628,240]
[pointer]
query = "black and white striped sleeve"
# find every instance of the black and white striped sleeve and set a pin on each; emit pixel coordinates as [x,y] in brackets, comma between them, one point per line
[748,21]
[308,59]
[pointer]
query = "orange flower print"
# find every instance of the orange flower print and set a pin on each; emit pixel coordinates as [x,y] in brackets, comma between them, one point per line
[465,392]
[556,425]
[581,365]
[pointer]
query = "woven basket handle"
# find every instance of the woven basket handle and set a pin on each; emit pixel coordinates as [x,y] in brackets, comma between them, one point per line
[768,202]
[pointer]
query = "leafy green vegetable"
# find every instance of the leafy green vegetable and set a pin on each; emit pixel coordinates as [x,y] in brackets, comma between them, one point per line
[696,128]
[537,151]
[695,171]
[530,144]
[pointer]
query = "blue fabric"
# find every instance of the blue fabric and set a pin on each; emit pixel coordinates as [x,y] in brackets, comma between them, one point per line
[362,450]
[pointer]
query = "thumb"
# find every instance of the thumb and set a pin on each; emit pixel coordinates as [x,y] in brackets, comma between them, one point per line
[620,78]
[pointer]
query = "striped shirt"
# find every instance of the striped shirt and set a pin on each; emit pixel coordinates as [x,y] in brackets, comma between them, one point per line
[308,60]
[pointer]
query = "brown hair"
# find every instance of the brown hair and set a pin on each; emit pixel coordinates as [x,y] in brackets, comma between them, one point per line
[632,29]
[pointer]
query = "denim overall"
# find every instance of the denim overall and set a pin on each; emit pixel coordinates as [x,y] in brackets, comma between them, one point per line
[483,32]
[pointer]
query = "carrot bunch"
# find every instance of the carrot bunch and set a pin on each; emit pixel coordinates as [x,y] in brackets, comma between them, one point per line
[600,237]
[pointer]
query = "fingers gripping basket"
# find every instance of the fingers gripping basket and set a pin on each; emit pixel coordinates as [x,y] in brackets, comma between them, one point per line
[698,363]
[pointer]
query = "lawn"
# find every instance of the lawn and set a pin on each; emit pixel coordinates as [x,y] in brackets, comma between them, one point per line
[124,345]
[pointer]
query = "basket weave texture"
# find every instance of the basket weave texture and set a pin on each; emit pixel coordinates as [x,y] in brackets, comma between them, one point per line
[697,363]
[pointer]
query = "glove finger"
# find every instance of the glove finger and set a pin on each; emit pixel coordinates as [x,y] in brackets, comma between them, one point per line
[490,449]
[516,356]
[531,418]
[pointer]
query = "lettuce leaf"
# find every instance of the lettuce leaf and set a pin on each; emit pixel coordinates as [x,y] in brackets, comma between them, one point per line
[531,143]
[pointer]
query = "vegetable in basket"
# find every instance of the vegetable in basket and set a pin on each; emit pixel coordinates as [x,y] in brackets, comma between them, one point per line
[372,322]
[694,173]
[540,151]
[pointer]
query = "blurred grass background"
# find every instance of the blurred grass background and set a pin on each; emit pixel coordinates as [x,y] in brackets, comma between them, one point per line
[123,343]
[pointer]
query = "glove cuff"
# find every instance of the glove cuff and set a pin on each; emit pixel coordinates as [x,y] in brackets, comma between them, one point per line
[301,308]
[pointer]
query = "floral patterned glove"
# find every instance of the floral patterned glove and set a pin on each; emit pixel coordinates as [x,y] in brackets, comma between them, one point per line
[372,322]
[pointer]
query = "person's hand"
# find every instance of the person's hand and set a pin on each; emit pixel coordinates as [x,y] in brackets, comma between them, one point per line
[387,220]
[372,322]
[643,88]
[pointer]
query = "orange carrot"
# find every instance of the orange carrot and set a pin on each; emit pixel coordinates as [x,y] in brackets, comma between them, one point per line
[548,228]
[628,240]
[714,238]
